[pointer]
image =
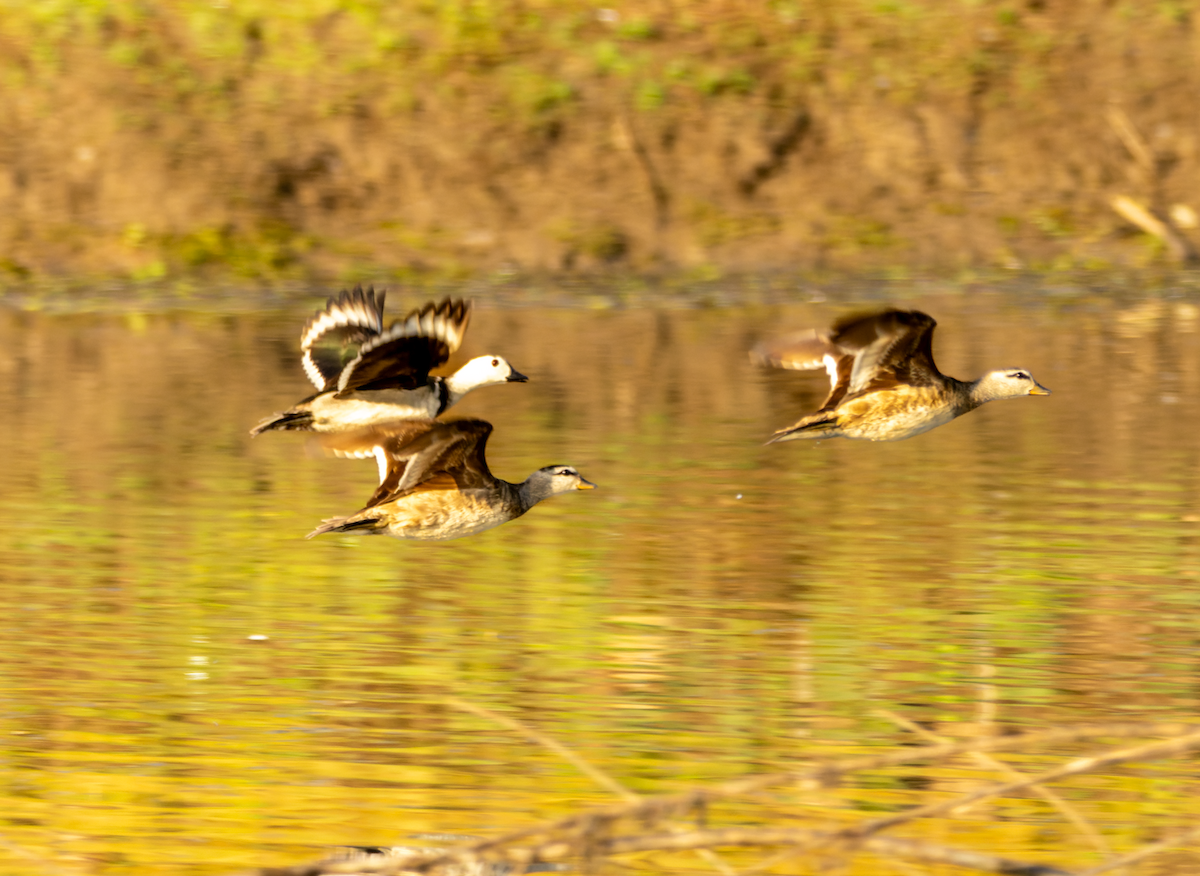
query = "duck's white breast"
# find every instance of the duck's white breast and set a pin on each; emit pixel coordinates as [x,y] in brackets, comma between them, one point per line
[365,408]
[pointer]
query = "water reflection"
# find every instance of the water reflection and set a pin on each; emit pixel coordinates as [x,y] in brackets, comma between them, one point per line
[718,607]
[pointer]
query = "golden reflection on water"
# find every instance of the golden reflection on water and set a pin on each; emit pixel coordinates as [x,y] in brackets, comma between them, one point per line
[189,685]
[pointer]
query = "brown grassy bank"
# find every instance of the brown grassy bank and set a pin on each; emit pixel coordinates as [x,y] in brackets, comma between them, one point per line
[339,139]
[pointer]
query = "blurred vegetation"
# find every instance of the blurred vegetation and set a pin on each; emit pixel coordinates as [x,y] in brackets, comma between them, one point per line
[352,137]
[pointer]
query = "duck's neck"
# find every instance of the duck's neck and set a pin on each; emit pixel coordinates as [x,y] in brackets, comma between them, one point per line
[978,392]
[531,492]
[448,392]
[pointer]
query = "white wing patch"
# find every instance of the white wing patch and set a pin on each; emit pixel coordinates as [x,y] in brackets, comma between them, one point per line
[361,311]
[355,454]
[381,459]
[357,312]
[832,369]
[310,368]
[378,453]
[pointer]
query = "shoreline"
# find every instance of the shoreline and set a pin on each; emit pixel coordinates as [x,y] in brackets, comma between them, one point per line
[602,292]
[407,140]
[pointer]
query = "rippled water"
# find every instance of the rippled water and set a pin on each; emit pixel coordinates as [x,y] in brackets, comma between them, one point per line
[190,686]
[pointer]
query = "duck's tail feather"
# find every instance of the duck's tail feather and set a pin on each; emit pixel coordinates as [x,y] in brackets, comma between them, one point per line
[288,420]
[807,428]
[365,525]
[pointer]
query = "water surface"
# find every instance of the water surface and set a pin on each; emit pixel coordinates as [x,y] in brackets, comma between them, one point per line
[190,686]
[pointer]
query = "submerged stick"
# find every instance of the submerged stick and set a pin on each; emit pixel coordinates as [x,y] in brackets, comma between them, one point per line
[589,832]
[594,773]
[601,778]
[915,850]
[1055,799]
[1152,751]
[651,809]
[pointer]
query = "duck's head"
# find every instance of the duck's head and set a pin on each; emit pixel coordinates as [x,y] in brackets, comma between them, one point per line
[555,479]
[484,371]
[1008,383]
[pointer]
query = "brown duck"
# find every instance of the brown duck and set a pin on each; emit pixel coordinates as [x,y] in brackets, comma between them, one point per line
[435,483]
[884,385]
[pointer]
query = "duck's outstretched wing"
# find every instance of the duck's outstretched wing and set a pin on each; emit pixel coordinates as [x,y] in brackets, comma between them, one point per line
[334,334]
[800,351]
[862,352]
[451,456]
[382,442]
[889,348]
[808,351]
[402,356]
[415,455]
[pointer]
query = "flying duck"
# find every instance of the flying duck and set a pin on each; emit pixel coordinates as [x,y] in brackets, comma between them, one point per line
[435,483]
[884,385]
[367,374]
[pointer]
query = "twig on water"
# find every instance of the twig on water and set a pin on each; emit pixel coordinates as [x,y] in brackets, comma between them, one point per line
[1056,800]
[594,773]
[593,833]
[601,778]
[1152,751]
[652,809]
[929,853]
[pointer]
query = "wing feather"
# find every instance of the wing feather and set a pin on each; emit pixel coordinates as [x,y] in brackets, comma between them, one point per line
[862,352]
[334,334]
[889,348]
[384,443]
[808,351]
[420,455]
[801,351]
[402,356]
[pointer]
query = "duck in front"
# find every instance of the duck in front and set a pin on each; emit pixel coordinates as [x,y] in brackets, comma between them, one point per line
[884,385]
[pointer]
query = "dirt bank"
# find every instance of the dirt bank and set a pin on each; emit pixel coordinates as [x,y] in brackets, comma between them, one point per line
[366,139]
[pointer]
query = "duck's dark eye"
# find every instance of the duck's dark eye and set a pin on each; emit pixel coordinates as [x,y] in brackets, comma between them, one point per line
[495,363]
[566,472]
